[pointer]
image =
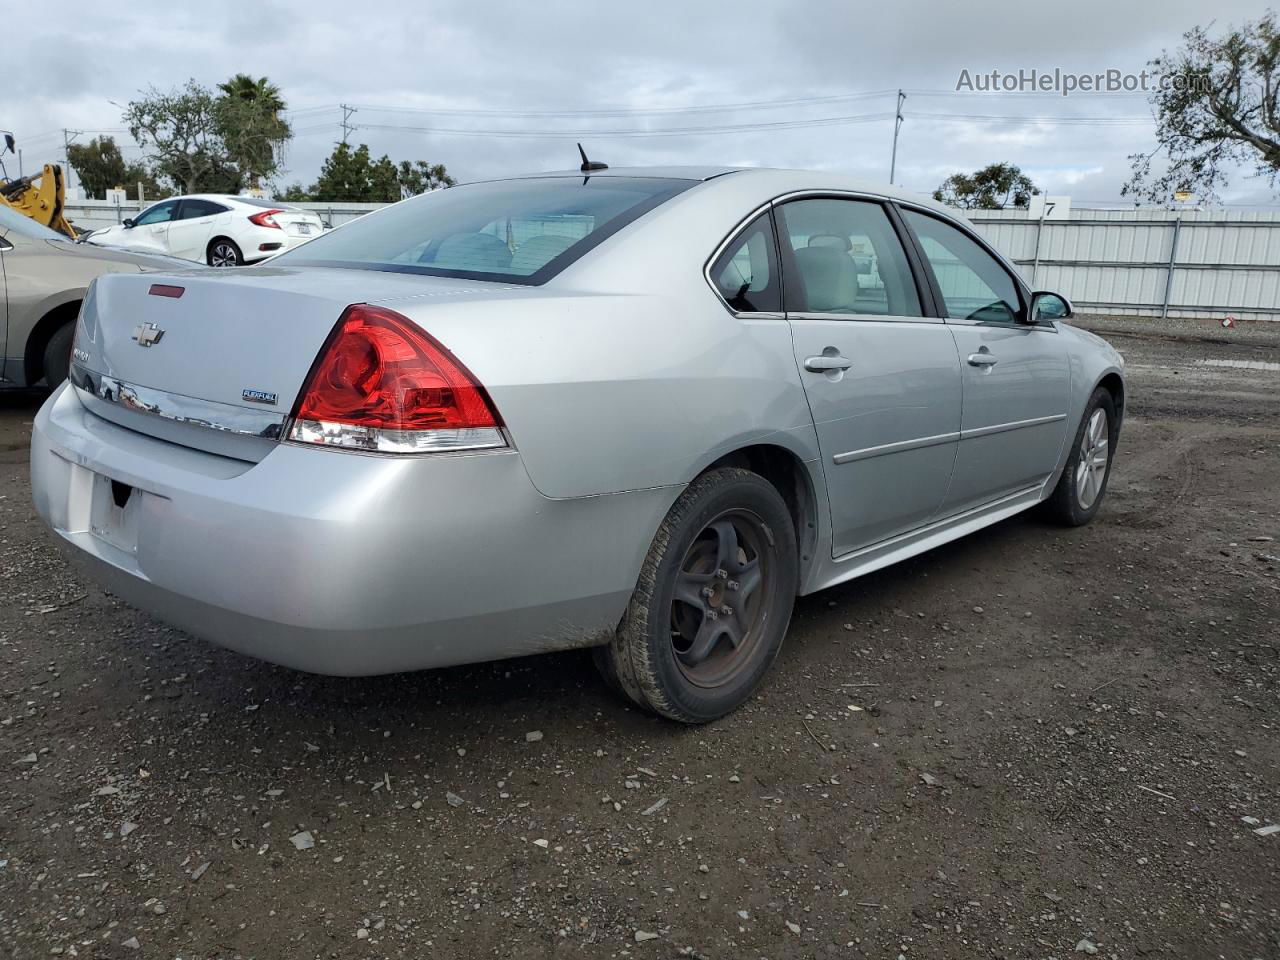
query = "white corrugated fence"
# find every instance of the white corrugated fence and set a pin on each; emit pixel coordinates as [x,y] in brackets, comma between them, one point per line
[1148,262]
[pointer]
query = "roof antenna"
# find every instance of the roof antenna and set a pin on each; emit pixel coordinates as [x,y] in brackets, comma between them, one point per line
[588,165]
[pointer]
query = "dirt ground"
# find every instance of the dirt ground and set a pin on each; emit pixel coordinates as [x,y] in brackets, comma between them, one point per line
[1061,735]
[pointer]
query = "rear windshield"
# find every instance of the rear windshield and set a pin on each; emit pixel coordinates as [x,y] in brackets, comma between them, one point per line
[517,231]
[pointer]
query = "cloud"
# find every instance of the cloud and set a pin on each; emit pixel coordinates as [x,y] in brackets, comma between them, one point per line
[574,58]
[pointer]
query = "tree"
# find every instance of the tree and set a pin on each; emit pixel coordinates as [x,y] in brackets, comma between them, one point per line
[204,142]
[994,187]
[261,92]
[100,166]
[180,130]
[1216,106]
[353,176]
[248,113]
[295,193]
[420,176]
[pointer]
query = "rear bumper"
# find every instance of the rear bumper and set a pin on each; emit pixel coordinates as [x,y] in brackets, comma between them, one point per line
[278,241]
[340,563]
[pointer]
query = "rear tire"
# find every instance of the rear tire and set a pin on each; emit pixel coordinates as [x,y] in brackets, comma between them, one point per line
[57,355]
[1083,484]
[714,599]
[224,253]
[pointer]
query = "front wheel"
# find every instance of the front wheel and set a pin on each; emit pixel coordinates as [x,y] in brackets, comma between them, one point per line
[1083,483]
[57,355]
[714,599]
[224,253]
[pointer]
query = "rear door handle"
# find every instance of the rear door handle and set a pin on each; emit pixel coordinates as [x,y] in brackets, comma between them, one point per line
[982,360]
[825,363]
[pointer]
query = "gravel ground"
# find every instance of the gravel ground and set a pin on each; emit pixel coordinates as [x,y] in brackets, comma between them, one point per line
[1034,743]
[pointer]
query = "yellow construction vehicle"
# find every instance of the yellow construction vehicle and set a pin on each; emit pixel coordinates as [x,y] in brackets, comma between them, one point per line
[40,196]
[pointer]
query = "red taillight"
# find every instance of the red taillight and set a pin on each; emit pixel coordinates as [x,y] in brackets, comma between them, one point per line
[380,383]
[267,218]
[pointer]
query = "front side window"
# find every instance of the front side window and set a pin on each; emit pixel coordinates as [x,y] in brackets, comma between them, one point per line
[160,213]
[516,231]
[848,259]
[974,284]
[746,273]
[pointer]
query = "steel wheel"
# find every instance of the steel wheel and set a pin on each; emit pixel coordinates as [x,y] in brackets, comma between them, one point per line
[224,253]
[721,599]
[1091,467]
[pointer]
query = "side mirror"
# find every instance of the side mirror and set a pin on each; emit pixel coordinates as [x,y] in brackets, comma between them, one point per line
[127,222]
[1047,307]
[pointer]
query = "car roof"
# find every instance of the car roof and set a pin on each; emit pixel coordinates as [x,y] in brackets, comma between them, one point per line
[769,178]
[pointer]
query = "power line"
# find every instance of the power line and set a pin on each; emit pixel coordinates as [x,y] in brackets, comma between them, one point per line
[658,132]
[1008,118]
[630,111]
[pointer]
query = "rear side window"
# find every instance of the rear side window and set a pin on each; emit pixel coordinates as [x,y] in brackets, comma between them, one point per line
[193,209]
[974,285]
[517,231]
[746,273]
[848,259]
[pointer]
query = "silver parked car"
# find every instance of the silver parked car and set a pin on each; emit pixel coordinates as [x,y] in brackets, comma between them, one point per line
[43,278]
[636,410]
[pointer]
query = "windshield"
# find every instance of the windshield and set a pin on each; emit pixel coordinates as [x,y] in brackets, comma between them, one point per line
[13,222]
[517,231]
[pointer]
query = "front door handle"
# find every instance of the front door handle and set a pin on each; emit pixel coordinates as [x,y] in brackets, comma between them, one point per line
[825,364]
[982,360]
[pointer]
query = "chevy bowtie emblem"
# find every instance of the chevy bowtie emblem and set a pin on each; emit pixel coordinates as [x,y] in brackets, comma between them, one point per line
[147,334]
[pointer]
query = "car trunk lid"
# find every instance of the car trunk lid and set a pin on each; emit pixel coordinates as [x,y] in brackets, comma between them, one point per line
[215,359]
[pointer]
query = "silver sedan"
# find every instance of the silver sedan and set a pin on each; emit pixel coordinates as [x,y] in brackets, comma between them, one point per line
[634,410]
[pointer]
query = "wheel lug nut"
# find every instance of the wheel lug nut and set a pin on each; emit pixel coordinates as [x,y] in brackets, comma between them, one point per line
[712,615]
[722,574]
[733,584]
[707,592]
[727,611]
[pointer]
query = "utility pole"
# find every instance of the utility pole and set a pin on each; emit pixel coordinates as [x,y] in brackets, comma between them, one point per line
[897,125]
[67,137]
[347,125]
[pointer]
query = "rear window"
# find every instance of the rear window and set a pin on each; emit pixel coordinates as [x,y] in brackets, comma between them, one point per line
[517,231]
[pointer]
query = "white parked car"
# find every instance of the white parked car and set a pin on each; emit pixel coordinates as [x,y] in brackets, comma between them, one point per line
[217,229]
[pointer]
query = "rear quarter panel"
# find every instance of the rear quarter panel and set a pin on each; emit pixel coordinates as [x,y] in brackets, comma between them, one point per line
[40,279]
[627,371]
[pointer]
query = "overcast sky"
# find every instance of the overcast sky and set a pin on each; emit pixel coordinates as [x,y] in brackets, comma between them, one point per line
[486,63]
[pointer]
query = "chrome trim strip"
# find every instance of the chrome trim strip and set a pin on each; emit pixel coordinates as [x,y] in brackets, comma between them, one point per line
[1013,425]
[177,408]
[903,445]
[895,318]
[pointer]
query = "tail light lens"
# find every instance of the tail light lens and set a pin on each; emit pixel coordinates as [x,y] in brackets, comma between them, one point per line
[267,218]
[381,384]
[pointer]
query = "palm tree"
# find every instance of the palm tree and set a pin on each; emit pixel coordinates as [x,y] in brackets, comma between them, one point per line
[254,131]
[260,92]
